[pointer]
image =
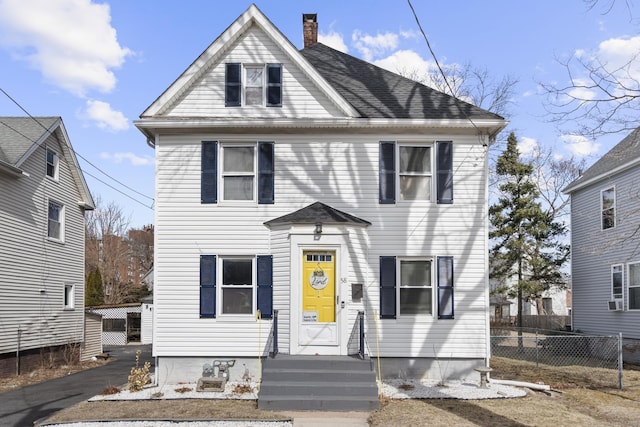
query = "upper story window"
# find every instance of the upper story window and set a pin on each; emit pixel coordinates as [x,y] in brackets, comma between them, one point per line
[608,206]
[412,171]
[238,172]
[245,172]
[55,217]
[253,85]
[52,164]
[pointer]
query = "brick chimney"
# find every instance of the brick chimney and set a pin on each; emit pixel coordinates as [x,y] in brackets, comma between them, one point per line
[310,29]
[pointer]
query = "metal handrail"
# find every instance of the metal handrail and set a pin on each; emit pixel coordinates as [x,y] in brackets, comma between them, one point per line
[361,340]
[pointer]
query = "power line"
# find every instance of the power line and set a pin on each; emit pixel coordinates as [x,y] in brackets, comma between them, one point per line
[435,59]
[79,155]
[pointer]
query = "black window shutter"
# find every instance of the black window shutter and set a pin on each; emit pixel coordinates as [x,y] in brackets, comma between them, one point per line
[265,173]
[233,85]
[444,169]
[274,85]
[265,285]
[208,286]
[445,287]
[209,176]
[387,287]
[387,172]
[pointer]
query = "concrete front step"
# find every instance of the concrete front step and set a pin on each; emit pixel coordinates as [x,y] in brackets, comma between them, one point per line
[312,383]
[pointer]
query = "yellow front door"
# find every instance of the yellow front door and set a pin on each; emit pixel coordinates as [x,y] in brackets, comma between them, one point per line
[318,287]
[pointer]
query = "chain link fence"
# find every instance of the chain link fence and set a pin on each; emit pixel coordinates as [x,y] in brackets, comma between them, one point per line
[555,348]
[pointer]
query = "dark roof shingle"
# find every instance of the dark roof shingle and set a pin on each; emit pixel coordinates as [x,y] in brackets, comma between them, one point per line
[626,151]
[377,93]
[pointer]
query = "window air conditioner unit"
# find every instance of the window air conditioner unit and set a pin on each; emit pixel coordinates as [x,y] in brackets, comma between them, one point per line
[615,305]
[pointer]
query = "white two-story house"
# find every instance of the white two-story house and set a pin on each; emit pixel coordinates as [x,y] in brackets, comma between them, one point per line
[43,198]
[315,184]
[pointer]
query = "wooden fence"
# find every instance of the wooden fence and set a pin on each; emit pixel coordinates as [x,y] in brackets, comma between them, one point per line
[550,322]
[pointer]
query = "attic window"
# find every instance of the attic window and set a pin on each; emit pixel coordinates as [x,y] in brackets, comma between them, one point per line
[52,164]
[253,85]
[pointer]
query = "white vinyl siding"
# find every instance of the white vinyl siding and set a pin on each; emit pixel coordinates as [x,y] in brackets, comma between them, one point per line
[300,98]
[35,268]
[341,171]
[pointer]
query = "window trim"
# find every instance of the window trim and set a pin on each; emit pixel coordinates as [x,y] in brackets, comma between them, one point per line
[68,297]
[630,286]
[430,174]
[602,209]
[61,221]
[432,286]
[55,165]
[221,287]
[613,295]
[267,87]
[253,174]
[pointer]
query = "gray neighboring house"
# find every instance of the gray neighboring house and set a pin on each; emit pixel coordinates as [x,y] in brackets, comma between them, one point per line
[605,209]
[43,199]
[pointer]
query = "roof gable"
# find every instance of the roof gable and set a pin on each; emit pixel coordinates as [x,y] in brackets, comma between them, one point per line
[317,212]
[21,137]
[624,155]
[216,51]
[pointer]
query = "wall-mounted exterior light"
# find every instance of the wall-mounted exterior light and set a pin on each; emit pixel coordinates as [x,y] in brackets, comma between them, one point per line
[318,229]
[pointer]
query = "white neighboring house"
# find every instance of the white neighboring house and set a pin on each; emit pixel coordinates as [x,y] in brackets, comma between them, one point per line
[290,180]
[43,200]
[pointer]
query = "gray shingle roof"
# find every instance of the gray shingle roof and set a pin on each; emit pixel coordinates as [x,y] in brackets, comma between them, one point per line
[377,93]
[315,213]
[18,134]
[625,152]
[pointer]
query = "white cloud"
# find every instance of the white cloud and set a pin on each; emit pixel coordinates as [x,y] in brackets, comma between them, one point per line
[105,117]
[374,46]
[527,146]
[580,146]
[334,40]
[407,63]
[71,42]
[133,159]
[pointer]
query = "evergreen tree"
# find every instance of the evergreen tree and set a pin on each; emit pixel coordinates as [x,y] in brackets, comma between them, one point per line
[524,236]
[94,293]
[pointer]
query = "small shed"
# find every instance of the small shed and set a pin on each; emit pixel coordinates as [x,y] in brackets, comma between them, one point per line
[92,344]
[121,323]
[147,320]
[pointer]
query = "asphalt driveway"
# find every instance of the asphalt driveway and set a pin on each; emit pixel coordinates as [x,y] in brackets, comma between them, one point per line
[21,407]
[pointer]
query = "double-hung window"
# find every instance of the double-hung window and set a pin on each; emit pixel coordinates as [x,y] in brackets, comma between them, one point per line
[253,85]
[55,221]
[408,286]
[236,285]
[616,281]
[245,172]
[52,164]
[608,206]
[413,171]
[633,279]
[238,172]
[416,291]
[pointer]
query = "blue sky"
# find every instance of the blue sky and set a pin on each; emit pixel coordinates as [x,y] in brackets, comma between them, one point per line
[98,65]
